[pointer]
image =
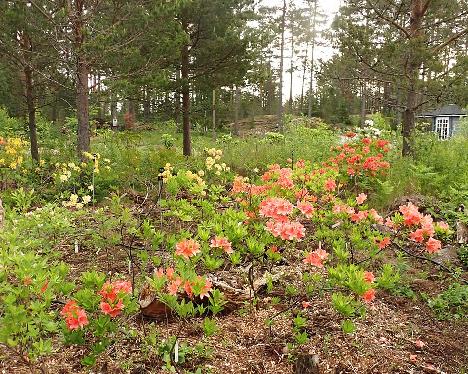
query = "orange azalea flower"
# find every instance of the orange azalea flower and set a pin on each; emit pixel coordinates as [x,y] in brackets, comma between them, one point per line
[75,317]
[221,242]
[112,310]
[187,248]
[384,243]
[369,295]
[410,214]
[173,287]
[330,184]
[433,245]
[188,289]
[369,276]
[417,236]
[316,257]
[206,289]
[110,290]
[306,208]
[170,273]
[361,198]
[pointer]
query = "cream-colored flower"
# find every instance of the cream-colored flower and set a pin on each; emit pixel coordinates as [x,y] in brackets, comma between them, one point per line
[86,199]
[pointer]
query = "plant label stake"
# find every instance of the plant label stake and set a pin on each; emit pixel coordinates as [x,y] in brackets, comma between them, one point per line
[176,351]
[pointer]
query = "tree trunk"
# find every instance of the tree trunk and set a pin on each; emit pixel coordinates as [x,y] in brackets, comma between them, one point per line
[292,68]
[177,99]
[82,107]
[236,111]
[77,13]
[312,60]
[214,114]
[280,94]
[186,97]
[303,78]
[363,104]
[28,81]
[414,63]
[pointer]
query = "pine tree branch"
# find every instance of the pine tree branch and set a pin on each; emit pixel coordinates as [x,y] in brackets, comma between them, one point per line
[450,40]
[389,20]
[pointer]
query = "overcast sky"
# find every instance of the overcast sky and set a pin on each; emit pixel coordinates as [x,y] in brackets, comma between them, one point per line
[328,7]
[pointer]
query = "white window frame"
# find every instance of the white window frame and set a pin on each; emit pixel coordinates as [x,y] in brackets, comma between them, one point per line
[442,127]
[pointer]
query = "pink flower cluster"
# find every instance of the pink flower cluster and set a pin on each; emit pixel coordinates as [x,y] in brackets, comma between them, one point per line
[75,317]
[316,258]
[112,294]
[286,230]
[221,242]
[412,217]
[177,284]
[276,208]
[187,248]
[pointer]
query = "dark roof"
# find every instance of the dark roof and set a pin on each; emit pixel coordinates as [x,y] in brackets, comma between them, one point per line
[446,110]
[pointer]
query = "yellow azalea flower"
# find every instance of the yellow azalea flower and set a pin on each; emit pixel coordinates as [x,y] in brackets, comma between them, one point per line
[73,198]
[86,199]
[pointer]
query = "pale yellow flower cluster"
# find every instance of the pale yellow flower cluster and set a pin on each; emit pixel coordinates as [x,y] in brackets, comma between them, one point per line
[196,178]
[167,173]
[11,152]
[65,170]
[214,155]
[75,201]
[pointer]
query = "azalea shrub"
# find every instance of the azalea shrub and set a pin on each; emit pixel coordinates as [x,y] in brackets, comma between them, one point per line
[195,222]
[32,279]
[311,210]
[90,315]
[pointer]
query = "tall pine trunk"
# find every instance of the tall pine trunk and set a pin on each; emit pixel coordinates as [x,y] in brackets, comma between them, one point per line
[236,110]
[414,59]
[280,93]
[292,69]
[311,86]
[187,146]
[213,111]
[303,78]
[82,107]
[28,82]
[77,14]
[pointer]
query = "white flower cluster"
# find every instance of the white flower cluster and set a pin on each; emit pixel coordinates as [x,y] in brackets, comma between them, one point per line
[369,131]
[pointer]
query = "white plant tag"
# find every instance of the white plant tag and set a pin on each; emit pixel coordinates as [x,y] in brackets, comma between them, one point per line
[176,351]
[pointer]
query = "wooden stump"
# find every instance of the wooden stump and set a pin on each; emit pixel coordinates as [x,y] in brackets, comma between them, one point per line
[306,364]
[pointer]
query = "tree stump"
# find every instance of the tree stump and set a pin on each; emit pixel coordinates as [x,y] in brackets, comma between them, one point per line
[306,364]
